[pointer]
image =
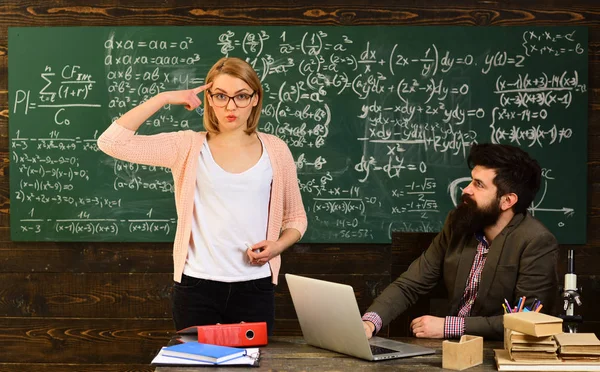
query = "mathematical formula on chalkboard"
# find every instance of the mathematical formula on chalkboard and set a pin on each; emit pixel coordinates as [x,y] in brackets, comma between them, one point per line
[379,120]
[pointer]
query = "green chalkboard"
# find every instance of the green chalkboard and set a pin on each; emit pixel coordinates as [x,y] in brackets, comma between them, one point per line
[379,120]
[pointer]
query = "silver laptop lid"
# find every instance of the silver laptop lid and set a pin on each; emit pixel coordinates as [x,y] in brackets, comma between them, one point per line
[329,316]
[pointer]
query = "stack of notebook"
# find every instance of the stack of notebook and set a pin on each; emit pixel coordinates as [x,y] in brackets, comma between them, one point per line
[195,353]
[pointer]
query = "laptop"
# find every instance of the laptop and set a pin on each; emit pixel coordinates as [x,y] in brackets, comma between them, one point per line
[330,319]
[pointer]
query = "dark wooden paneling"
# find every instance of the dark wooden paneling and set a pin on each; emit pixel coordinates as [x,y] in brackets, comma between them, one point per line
[104,295]
[87,341]
[4,110]
[58,257]
[63,367]
[84,257]
[104,306]
[586,259]
[407,247]
[337,259]
[300,12]
[589,327]
[122,295]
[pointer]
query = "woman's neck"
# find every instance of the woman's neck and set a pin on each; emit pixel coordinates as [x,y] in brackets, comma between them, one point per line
[236,138]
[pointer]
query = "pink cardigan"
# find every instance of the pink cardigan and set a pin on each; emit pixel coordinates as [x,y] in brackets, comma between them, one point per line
[179,151]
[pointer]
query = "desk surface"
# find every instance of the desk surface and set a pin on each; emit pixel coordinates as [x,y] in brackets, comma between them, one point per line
[293,354]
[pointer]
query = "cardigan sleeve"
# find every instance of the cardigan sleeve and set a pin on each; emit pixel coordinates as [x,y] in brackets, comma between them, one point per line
[294,215]
[159,149]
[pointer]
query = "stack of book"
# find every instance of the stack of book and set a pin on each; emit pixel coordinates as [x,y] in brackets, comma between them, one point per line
[195,353]
[531,342]
[529,336]
[522,347]
[578,346]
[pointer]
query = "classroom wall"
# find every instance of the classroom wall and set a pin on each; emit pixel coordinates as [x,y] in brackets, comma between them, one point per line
[105,306]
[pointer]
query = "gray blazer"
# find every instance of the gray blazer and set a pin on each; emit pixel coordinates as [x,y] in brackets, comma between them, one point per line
[521,262]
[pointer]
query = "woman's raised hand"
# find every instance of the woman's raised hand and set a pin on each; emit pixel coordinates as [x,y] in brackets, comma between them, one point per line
[188,98]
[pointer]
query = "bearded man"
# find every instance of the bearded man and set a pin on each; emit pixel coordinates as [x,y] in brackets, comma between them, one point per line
[489,250]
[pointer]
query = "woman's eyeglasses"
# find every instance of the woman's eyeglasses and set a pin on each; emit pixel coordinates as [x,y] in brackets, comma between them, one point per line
[241,100]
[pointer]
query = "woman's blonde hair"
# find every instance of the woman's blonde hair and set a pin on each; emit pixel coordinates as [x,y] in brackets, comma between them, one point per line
[240,69]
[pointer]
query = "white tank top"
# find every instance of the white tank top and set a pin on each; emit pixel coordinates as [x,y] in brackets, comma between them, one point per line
[230,211]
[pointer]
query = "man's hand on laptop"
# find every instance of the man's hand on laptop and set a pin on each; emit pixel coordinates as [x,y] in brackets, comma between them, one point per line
[428,327]
[369,328]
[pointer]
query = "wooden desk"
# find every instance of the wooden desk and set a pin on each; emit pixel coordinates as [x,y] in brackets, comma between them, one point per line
[293,354]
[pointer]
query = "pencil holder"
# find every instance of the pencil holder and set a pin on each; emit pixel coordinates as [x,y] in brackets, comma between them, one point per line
[466,353]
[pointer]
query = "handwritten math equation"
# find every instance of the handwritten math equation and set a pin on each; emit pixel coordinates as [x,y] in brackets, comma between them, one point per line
[379,125]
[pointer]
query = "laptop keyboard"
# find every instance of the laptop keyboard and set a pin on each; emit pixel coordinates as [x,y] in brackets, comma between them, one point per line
[378,350]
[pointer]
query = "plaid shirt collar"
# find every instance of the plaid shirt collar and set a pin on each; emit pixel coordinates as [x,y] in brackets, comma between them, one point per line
[483,245]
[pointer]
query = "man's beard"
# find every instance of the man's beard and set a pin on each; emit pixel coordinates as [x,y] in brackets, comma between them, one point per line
[468,218]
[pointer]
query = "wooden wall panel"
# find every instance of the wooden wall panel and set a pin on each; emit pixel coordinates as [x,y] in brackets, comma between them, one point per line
[65,367]
[82,341]
[136,296]
[88,257]
[85,295]
[105,306]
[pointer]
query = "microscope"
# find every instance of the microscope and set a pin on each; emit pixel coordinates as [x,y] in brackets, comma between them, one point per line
[571,296]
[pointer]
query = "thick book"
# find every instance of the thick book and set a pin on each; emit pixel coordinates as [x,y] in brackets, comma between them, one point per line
[514,340]
[578,343]
[533,324]
[504,363]
[525,355]
[204,352]
[515,337]
[551,348]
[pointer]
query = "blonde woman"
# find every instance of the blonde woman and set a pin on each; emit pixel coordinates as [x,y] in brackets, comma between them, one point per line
[236,194]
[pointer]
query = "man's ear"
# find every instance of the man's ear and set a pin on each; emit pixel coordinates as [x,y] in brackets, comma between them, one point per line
[508,200]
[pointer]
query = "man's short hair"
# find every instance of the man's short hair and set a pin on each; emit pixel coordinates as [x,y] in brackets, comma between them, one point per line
[516,171]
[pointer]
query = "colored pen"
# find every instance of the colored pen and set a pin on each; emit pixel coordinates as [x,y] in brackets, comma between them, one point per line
[522,303]
[532,307]
[508,306]
[519,304]
[539,308]
[505,310]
